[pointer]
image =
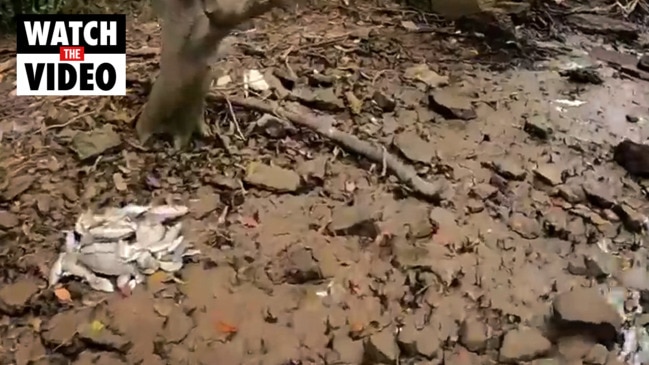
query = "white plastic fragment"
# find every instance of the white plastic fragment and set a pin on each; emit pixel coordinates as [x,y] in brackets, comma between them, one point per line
[122,243]
[253,79]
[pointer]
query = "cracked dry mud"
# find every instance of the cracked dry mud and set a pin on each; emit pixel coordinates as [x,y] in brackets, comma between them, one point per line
[310,254]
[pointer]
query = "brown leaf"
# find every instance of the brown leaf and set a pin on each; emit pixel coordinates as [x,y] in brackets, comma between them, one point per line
[120,183]
[226,328]
[248,222]
[63,295]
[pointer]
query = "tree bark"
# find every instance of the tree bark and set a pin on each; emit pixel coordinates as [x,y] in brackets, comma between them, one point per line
[191,33]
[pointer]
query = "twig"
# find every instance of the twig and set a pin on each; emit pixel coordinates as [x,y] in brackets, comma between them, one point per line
[377,154]
[234,120]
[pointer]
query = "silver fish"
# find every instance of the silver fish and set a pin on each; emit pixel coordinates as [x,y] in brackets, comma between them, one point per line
[163,213]
[149,232]
[113,231]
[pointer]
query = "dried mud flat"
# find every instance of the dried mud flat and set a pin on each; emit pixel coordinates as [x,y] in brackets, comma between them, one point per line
[312,255]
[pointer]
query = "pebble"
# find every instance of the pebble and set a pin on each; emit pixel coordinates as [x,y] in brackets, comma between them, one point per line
[8,220]
[273,178]
[355,220]
[381,348]
[526,227]
[523,344]
[473,335]
[598,318]
[510,169]
[14,298]
[539,127]
[549,174]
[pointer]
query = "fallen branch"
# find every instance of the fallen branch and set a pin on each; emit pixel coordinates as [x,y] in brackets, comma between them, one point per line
[377,154]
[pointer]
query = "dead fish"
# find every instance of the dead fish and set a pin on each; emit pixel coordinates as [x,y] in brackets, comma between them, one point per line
[170,266]
[71,243]
[56,271]
[148,232]
[133,210]
[147,264]
[162,248]
[113,231]
[103,258]
[163,213]
[101,284]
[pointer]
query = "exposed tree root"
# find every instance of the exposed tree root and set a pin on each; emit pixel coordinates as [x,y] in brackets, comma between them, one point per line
[406,174]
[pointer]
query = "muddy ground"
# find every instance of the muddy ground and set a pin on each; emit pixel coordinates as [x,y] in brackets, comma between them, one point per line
[312,255]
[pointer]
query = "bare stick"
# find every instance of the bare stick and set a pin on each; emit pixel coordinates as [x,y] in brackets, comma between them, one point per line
[377,154]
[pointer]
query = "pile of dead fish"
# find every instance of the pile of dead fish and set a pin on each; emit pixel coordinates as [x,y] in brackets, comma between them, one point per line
[123,243]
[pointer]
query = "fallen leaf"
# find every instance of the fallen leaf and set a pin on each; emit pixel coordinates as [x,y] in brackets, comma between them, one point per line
[356,327]
[226,328]
[96,326]
[248,222]
[120,183]
[63,295]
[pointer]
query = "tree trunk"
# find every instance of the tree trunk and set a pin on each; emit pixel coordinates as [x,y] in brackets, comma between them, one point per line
[191,33]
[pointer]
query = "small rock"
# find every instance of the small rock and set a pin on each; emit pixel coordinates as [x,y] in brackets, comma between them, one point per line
[597,355]
[381,348]
[60,330]
[599,264]
[204,204]
[643,63]
[274,127]
[549,174]
[473,335]
[354,103]
[599,194]
[526,227]
[14,298]
[572,193]
[354,221]
[424,74]
[177,326]
[313,169]
[429,343]
[474,206]
[577,266]
[300,267]
[17,185]
[633,220]
[574,347]
[539,127]
[524,344]
[8,220]
[321,98]
[413,147]
[97,358]
[383,101]
[450,105]
[104,338]
[633,157]
[484,191]
[346,351]
[598,317]
[408,257]
[273,178]
[632,118]
[95,142]
[510,169]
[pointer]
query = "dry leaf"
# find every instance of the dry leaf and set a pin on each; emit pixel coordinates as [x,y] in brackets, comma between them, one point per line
[63,295]
[226,328]
[248,222]
[120,183]
[96,327]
